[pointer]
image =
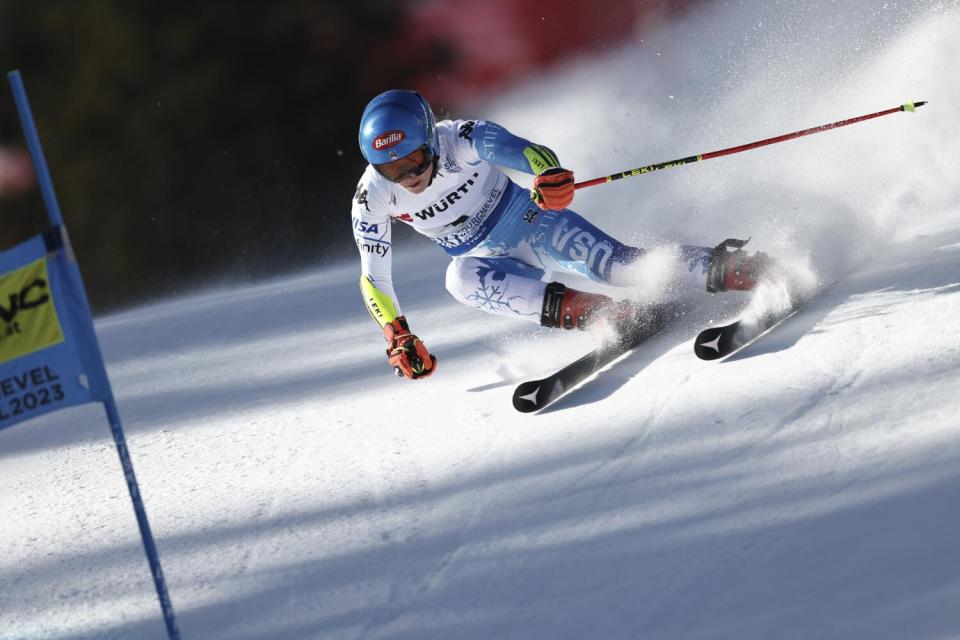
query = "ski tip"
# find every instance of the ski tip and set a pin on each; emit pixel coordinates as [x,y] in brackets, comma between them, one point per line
[525,396]
[707,344]
[715,342]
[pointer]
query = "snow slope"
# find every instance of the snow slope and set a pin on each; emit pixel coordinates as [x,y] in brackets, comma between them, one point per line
[804,488]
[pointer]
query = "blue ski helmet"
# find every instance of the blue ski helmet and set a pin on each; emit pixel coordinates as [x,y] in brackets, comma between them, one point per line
[395,124]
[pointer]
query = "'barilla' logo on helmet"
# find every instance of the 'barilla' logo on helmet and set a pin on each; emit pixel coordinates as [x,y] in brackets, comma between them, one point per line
[388,139]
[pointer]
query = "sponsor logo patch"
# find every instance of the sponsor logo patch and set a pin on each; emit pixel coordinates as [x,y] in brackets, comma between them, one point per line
[388,139]
[466,129]
[361,196]
[28,318]
[365,227]
[444,203]
[372,246]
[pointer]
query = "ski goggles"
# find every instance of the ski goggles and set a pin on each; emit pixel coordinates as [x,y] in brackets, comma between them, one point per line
[409,166]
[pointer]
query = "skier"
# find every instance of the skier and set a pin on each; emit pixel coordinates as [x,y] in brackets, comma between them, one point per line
[442,178]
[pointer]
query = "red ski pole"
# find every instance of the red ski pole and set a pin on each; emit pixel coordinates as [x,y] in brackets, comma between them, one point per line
[910,106]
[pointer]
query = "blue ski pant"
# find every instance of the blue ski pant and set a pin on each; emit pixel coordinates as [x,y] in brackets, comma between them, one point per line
[505,274]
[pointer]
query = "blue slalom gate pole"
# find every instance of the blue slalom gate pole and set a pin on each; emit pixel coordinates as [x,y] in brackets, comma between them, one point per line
[113,415]
[36,151]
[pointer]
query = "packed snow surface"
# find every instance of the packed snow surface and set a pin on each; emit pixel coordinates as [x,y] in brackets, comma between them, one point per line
[806,487]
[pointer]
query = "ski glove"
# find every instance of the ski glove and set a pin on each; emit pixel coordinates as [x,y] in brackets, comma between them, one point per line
[553,189]
[406,353]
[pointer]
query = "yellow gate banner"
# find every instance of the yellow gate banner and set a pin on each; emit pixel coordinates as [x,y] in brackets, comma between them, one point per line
[28,314]
[49,356]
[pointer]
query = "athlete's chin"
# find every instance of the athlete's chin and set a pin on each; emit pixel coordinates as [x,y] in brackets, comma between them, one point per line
[417,186]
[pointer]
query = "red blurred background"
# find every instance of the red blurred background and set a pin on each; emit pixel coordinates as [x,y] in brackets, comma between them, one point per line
[478,47]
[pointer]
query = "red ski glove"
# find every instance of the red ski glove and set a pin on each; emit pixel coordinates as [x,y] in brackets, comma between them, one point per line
[553,189]
[407,354]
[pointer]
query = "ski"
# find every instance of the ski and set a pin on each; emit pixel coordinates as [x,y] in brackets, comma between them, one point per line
[719,342]
[534,395]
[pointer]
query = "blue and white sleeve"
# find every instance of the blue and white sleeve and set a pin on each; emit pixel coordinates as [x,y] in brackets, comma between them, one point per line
[496,145]
[372,234]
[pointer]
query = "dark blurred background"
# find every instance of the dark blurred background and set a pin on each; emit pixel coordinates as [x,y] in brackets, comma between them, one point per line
[191,143]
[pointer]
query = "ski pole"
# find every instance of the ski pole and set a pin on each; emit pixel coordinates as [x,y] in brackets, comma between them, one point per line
[910,106]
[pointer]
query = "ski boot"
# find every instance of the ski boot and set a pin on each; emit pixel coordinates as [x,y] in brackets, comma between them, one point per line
[571,309]
[735,270]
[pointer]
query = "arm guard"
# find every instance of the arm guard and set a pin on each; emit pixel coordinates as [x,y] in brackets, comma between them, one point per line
[379,303]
